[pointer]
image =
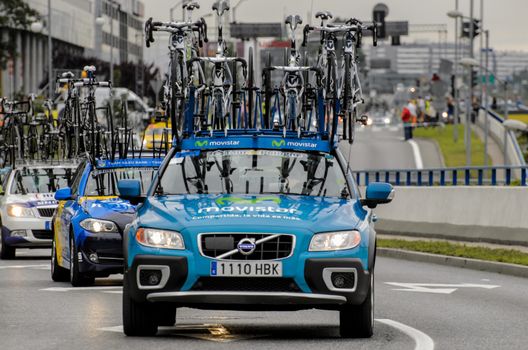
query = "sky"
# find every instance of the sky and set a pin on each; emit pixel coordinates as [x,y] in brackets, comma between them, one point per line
[505,19]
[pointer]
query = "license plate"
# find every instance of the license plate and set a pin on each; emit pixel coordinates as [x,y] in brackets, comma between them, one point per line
[246,268]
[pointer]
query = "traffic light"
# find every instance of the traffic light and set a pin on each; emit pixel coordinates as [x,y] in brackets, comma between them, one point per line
[379,18]
[466,28]
[474,77]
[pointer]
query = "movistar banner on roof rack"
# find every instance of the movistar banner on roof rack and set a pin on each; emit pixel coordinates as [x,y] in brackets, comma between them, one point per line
[129,163]
[203,143]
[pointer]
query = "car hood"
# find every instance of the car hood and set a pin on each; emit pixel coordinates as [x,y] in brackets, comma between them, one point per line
[113,209]
[236,212]
[33,199]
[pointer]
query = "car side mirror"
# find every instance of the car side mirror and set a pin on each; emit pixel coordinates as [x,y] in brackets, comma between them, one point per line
[378,193]
[130,190]
[64,194]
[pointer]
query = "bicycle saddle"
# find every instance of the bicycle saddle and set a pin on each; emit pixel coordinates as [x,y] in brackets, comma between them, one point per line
[293,20]
[193,5]
[68,75]
[220,7]
[324,15]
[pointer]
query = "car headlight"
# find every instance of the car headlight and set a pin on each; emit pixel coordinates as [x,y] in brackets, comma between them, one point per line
[387,120]
[160,238]
[19,211]
[99,226]
[335,241]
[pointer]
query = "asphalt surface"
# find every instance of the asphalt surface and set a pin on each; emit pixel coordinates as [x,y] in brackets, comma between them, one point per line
[418,306]
[379,147]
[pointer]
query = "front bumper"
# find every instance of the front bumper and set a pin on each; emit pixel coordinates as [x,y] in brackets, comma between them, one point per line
[102,254]
[318,293]
[27,232]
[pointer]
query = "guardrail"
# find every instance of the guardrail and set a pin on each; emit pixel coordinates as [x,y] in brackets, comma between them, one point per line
[464,176]
[508,134]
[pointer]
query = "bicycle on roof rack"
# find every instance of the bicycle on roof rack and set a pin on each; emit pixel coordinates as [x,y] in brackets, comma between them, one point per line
[300,99]
[209,105]
[343,90]
[182,37]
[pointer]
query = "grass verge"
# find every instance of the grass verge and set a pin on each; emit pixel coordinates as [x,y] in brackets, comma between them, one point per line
[454,153]
[459,250]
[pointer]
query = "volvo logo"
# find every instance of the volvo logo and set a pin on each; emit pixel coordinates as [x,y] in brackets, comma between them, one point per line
[246,246]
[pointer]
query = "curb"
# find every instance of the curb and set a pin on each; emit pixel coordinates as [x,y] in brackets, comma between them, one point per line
[473,264]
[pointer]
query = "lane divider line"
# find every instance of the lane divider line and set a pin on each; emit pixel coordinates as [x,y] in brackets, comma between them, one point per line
[422,340]
[417,154]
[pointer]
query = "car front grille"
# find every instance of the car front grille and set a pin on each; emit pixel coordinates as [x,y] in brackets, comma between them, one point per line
[46,212]
[42,234]
[246,284]
[280,246]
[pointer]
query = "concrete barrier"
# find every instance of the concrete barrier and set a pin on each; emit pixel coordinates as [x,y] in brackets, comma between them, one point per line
[480,214]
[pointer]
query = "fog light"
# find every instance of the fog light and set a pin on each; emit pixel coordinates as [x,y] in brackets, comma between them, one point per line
[343,280]
[18,233]
[93,257]
[149,277]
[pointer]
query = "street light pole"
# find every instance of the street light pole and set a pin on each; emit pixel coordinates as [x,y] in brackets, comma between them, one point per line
[485,99]
[455,90]
[50,55]
[470,87]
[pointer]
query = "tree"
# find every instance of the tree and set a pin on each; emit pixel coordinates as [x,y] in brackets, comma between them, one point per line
[14,14]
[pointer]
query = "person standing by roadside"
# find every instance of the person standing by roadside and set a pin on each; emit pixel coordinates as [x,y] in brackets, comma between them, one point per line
[408,115]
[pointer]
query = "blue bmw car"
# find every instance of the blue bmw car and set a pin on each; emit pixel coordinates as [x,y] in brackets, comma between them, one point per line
[246,223]
[90,219]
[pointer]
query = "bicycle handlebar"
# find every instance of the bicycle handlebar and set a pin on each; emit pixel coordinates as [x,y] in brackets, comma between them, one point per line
[173,27]
[352,25]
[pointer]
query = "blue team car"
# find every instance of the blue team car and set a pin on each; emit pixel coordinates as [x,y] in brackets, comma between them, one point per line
[251,223]
[89,221]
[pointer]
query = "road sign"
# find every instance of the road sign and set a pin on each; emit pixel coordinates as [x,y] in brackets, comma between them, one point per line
[395,28]
[255,30]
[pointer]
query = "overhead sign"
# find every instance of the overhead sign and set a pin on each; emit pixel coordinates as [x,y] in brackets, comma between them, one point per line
[394,28]
[255,30]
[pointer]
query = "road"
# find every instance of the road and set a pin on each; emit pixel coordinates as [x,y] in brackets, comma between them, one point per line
[418,306]
[383,147]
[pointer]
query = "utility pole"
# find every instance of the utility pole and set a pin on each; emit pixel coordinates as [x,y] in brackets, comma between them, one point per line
[112,44]
[50,55]
[469,99]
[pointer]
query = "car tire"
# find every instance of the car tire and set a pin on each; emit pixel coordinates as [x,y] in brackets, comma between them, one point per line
[6,252]
[166,315]
[77,278]
[138,318]
[357,321]
[58,273]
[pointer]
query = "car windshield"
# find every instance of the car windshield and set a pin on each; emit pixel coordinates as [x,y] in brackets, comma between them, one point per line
[41,180]
[253,172]
[103,182]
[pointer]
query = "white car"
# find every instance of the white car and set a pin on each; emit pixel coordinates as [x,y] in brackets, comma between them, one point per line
[27,205]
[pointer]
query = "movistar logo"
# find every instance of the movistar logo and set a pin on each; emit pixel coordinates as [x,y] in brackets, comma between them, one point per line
[201,143]
[278,144]
[239,200]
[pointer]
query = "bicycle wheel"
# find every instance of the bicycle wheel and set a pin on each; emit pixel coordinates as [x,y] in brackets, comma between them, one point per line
[250,85]
[349,118]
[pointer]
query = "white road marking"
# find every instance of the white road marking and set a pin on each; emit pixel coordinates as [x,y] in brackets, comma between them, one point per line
[38,267]
[422,340]
[436,288]
[417,155]
[78,289]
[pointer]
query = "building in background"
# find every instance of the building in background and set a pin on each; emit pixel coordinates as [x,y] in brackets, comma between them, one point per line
[76,34]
